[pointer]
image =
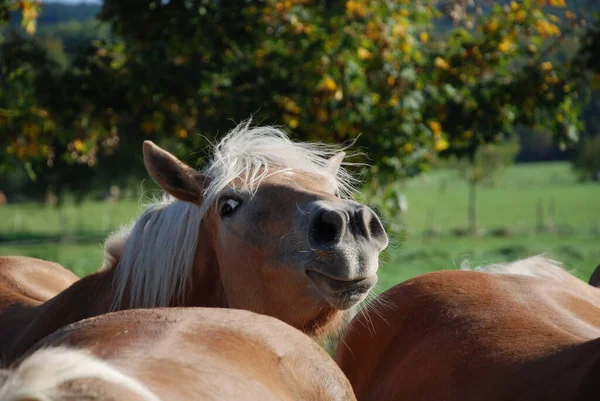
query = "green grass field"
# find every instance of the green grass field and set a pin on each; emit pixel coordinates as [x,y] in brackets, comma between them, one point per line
[437,202]
[511,203]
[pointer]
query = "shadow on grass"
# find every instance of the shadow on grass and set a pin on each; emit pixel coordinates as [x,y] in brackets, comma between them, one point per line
[512,251]
[31,238]
[570,252]
[425,254]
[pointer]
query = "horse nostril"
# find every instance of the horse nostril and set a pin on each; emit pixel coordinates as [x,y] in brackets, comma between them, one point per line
[327,228]
[369,226]
[376,227]
[372,223]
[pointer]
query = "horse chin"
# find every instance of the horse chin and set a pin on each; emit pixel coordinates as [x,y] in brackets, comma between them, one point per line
[344,302]
[341,294]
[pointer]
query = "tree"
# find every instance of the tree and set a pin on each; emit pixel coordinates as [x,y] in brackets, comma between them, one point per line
[484,167]
[382,73]
[587,158]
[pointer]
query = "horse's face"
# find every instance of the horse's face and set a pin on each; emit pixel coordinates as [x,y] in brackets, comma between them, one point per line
[291,249]
[295,247]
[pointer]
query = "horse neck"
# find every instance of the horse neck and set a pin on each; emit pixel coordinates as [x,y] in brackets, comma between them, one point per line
[205,287]
[88,297]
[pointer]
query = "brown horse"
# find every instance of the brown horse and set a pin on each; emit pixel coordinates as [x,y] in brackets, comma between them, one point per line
[29,282]
[182,354]
[522,331]
[267,227]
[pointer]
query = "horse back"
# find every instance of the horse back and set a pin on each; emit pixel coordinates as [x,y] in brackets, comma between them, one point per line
[471,336]
[205,353]
[30,282]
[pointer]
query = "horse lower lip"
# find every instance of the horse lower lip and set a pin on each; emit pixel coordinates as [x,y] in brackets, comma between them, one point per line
[338,287]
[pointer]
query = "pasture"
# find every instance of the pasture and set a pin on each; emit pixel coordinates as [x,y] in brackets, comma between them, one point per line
[437,213]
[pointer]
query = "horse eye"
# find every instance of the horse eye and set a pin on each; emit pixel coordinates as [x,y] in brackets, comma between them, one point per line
[229,206]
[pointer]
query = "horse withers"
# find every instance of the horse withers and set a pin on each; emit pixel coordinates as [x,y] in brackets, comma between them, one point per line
[268,226]
[178,354]
[527,330]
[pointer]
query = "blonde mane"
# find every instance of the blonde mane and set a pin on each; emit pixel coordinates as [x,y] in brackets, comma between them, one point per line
[534,266]
[155,255]
[40,376]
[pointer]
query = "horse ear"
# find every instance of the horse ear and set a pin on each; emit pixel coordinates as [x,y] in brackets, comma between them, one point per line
[335,161]
[595,278]
[172,175]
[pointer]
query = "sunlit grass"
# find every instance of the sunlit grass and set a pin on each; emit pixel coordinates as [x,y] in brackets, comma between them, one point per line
[73,235]
[438,201]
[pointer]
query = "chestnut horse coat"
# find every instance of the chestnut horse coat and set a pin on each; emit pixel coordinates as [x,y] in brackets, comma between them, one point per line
[194,354]
[469,335]
[28,281]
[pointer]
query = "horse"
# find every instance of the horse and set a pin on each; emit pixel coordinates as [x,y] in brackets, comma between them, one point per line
[188,354]
[527,330]
[28,282]
[268,226]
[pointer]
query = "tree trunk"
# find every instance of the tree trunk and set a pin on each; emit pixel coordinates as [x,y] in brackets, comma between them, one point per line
[472,207]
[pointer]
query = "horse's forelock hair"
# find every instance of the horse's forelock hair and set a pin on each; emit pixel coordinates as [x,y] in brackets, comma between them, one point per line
[40,375]
[250,154]
[154,257]
[535,266]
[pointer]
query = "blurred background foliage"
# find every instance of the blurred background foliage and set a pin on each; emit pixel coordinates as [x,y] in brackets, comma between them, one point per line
[456,85]
[409,79]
